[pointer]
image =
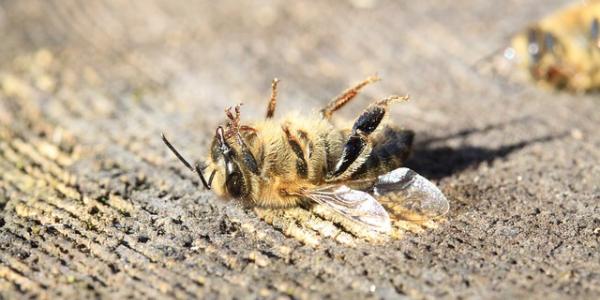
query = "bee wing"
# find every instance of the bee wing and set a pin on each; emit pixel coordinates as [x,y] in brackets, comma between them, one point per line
[410,195]
[355,205]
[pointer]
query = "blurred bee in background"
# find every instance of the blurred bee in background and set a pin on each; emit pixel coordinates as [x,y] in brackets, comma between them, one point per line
[563,49]
[302,159]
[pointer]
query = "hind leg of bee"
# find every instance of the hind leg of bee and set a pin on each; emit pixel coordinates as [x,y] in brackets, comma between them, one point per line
[358,146]
[349,94]
[273,101]
[391,149]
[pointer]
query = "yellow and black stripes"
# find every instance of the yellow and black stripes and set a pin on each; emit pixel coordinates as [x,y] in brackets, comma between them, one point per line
[301,165]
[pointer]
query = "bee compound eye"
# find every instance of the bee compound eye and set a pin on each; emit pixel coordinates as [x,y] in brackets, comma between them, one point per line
[235,184]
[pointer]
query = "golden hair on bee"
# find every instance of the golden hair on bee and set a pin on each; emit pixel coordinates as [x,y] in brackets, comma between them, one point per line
[306,158]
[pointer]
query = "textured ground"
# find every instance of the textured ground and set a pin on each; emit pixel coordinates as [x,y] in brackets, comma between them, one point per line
[92,204]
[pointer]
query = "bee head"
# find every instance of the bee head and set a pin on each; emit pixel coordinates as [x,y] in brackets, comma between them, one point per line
[230,178]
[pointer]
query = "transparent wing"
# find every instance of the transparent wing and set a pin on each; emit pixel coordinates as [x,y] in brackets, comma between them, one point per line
[355,205]
[409,195]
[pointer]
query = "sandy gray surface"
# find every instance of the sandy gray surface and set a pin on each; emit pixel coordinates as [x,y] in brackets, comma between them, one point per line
[93,205]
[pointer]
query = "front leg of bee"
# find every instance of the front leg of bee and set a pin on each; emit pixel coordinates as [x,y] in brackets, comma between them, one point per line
[358,146]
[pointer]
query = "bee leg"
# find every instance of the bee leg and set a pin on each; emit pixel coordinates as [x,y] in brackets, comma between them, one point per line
[235,119]
[273,101]
[294,142]
[339,101]
[391,149]
[358,147]
[247,156]
[233,126]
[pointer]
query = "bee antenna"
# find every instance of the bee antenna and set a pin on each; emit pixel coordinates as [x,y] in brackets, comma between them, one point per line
[198,168]
[212,176]
[199,171]
[185,162]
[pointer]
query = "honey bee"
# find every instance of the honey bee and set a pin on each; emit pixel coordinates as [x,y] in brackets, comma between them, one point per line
[563,49]
[304,158]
